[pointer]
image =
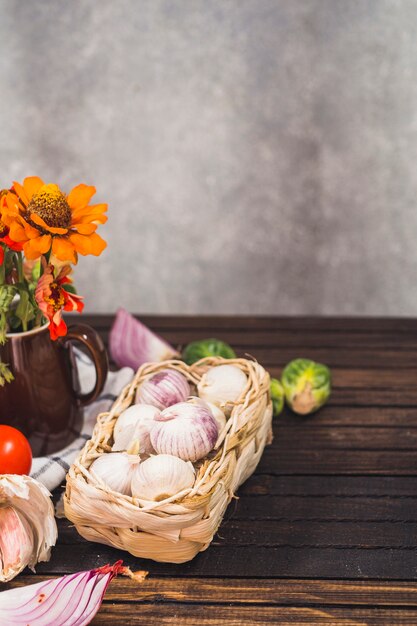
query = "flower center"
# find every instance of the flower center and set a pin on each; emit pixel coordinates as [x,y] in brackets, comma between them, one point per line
[52,206]
[56,299]
[4,230]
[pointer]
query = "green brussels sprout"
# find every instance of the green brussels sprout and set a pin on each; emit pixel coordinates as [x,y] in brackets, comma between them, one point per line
[277,396]
[197,350]
[306,384]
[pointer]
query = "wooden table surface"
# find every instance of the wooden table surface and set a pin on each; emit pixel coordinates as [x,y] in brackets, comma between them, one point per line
[325,531]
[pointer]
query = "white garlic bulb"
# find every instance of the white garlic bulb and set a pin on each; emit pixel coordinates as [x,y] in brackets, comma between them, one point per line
[161,477]
[163,389]
[133,425]
[115,470]
[187,430]
[27,524]
[222,384]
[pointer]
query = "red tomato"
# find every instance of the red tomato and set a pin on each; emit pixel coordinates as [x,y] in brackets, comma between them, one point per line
[15,452]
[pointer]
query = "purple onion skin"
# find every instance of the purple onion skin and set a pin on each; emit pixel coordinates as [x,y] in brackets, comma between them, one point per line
[131,343]
[186,431]
[163,389]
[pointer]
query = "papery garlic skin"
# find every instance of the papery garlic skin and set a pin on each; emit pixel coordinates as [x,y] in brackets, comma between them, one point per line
[161,477]
[115,470]
[187,430]
[27,519]
[134,424]
[222,384]
[163,389]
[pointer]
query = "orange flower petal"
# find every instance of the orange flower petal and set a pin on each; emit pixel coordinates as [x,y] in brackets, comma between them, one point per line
[31,231]
[41,244]
[80,196]
[63,250]
[52,229]
[85,229]
[88,244]
[94,210]
[31,253]
[17,232]
[21,192]
[12,204]
[31,185]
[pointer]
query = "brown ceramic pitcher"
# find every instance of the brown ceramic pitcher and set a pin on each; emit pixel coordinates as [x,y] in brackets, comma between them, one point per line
[44,399]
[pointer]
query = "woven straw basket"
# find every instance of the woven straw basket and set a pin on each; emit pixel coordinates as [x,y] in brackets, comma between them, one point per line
[175,529]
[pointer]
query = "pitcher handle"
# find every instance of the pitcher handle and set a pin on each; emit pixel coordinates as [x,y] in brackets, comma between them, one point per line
[94,343]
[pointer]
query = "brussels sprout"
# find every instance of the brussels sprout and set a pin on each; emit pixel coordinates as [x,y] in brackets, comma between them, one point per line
[277,396]
[306,384]
[197,350]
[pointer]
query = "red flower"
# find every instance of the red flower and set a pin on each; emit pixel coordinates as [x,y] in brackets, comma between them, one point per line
[53,298]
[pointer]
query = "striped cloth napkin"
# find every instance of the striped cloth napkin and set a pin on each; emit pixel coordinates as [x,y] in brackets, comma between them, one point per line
[51,470]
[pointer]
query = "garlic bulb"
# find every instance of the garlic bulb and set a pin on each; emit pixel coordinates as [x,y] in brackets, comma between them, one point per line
[216,412]
[161,477]
[27,524]
[133,425]
[187,430]
[163,389]
[222,384]
[218,415]
[115,470]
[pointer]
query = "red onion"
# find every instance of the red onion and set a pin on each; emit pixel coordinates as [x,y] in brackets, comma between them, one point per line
[71,600]
[132,343]
[163,389]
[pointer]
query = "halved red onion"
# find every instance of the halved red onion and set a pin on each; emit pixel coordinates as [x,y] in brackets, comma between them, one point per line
[163,389]
[132,343]
[71,600]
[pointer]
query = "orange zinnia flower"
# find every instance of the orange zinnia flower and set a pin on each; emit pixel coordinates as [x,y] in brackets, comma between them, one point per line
[53,298]
[40,216]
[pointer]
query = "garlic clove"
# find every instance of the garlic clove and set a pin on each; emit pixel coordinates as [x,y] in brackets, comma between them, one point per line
[16,542]
[132,425]
[222,384]
[187,430]
[115,470]
[162,476]
[27,524]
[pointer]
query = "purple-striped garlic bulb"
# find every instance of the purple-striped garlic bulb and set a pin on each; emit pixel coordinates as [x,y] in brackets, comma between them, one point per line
[187,430]
[163,389]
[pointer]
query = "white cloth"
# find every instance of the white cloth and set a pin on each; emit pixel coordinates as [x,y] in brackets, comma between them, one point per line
[51,470]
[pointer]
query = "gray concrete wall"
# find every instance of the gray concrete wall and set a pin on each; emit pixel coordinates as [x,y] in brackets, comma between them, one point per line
[258,156]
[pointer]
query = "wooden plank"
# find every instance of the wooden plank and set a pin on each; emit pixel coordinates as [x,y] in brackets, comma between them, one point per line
[267,339]
[250,561]
[309,434]
[350,462]
[254,591]
[328,532]
[371,487]
[219,615]
[365,325]
[333,417]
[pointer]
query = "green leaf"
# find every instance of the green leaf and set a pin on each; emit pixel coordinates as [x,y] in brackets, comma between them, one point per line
[24,309]
[69,287]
